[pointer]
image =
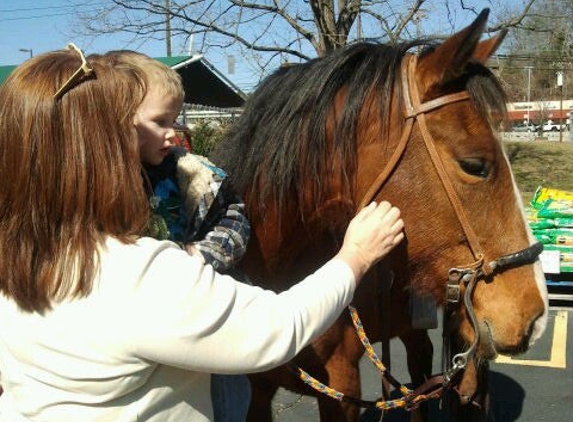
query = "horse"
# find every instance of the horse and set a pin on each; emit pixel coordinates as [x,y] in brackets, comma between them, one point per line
[412,123]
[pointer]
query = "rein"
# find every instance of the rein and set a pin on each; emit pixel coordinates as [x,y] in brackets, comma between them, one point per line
[468,275]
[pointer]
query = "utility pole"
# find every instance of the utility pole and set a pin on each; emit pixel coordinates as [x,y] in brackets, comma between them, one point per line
[528,92]
[417,18]
[560,85]
[359,26]
[168,26]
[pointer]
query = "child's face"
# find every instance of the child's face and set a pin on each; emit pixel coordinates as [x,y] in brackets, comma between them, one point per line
[154,124]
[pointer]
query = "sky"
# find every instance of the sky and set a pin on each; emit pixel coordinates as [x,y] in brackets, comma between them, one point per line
[45,25]
[36,26]
[39,26]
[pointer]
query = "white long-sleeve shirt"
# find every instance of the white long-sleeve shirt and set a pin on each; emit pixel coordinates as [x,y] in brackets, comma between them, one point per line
[142,345]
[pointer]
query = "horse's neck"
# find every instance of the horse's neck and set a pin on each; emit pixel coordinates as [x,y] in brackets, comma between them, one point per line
[286,246]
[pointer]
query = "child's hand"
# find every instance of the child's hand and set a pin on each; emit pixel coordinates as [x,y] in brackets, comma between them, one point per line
[370,236]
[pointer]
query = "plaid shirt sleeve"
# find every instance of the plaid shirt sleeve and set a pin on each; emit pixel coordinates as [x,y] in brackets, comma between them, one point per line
[223,236]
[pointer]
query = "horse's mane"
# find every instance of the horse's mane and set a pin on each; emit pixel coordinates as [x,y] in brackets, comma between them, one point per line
[278,143]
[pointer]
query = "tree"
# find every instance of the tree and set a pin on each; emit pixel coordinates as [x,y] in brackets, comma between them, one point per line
[269,32]
[539,47]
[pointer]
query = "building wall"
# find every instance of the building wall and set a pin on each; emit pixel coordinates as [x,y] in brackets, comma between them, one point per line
[540,111]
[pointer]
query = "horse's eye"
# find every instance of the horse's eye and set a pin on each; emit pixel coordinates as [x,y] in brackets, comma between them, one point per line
[475,167]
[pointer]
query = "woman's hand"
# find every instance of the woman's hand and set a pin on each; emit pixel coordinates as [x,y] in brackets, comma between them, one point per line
[370,236]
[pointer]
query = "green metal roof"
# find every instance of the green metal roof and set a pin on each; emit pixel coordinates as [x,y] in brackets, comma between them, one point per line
[203,83]
[172,61]
[5,71]
[169,61]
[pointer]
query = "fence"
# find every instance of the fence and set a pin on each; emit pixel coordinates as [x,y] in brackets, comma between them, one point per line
[566,136]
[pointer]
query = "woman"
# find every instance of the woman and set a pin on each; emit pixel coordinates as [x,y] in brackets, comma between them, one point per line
[99,323]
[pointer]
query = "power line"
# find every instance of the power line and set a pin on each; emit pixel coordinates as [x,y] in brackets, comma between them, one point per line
[529,57]
[71,8]
[29,9]
[532,67]
[35,17]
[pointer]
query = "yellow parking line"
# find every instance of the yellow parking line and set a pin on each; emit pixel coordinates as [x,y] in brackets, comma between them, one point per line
[558,347]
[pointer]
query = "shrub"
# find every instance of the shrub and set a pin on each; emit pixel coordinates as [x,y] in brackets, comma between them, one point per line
[205,134]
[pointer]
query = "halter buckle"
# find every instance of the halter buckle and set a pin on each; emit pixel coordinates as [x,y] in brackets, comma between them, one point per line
[456,276]
[453,293]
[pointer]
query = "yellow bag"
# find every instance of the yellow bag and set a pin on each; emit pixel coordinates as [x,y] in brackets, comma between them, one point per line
[542,194]
[555,208]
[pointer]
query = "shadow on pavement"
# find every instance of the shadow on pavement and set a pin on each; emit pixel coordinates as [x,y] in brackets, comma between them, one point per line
[506,398]
[506,404]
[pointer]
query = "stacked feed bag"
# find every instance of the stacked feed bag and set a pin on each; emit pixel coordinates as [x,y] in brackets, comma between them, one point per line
[550,216]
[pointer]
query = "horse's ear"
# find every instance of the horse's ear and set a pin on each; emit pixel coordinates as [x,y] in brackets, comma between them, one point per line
[487,48]
[447,61]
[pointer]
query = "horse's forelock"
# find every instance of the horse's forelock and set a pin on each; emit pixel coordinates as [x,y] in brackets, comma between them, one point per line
[487,93]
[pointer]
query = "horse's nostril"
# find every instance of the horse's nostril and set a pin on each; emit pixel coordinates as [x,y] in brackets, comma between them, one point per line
[537,328]
[531,328]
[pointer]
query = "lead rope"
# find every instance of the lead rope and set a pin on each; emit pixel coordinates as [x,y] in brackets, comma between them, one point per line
[410,399]
[372,354]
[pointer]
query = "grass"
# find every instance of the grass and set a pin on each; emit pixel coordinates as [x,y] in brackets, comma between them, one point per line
[541,163]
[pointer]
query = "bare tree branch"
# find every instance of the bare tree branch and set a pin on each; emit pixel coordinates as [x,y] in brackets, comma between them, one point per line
[271,30]
[515,20]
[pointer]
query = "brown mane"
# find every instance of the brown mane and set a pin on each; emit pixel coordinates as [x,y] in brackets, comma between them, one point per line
[278,159]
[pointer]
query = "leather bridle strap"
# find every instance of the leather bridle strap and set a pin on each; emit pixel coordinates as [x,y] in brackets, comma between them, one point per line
[417,109]
[410,114]
[376,186]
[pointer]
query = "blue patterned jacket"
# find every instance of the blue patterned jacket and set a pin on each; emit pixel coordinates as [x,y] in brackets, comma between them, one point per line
[191,203]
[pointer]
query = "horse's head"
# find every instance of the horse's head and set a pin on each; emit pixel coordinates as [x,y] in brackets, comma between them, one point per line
[318,139]
[459,201]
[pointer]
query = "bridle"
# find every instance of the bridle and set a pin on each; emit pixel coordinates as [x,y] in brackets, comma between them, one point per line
[415,112]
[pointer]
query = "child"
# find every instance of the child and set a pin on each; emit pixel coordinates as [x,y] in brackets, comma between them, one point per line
[190,202]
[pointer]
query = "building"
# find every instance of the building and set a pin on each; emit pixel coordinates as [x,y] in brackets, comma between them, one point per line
[540,111]
[204,84]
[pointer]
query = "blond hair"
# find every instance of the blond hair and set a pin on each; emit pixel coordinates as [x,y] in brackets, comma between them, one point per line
[70,173]
[157,75]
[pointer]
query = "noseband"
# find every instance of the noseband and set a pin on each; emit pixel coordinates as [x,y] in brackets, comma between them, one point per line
[469,275]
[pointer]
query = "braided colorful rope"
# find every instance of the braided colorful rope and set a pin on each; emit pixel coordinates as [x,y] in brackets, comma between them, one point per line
[402,402]
[372,354]
[337,395]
